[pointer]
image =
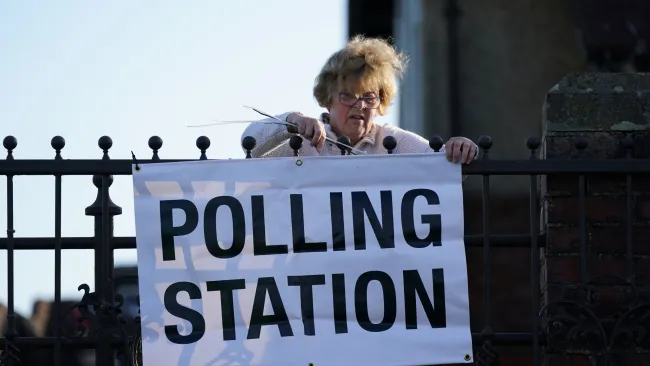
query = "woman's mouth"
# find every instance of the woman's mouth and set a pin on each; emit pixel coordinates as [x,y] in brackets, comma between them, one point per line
[357,117]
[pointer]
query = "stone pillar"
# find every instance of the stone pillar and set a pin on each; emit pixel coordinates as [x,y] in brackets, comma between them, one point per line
[595,116]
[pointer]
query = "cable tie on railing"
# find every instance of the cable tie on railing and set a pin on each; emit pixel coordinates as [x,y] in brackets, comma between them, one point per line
[135,162]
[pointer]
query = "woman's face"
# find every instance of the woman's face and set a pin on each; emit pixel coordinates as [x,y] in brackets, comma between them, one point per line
[352,114]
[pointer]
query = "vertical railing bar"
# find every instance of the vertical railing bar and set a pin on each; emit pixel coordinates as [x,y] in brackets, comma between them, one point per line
[486,249]
[57,269]
[105,230]
[583,229]
[533,144]
[105,352]
[628,144]
[11,315]
[628,228]
[485,142]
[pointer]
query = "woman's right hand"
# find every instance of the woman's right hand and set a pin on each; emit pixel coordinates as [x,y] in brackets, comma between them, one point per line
[310,128]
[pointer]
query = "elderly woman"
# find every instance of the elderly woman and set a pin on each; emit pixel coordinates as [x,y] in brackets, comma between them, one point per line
[355,84]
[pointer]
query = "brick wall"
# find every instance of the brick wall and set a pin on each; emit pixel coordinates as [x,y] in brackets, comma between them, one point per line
[611,114]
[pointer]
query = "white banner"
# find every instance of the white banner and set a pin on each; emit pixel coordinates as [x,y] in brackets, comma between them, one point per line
[324,261]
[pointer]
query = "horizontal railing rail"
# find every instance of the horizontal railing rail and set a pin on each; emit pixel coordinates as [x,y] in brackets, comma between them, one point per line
[497,339]
[128,242]
[74,167]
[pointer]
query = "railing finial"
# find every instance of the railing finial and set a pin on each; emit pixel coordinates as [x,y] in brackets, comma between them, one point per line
[532,143]
[10,144]
[295,142]
[57,143]
[105,143]
[390,143]
[155,143]
[203,144]
[485,143]
[248,143]
[436,143]
[580,143]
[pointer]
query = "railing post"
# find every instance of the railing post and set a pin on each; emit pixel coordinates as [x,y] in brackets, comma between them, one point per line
[10,355]
[57,143]
[103,210]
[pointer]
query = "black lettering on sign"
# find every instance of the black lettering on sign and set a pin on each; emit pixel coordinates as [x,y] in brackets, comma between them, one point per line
[339,303]
[238,227]
[192,316]
[414,288]
[260,247]
[434,238]
[361,301]
[307,284]
[279,317]
[300,245]
[226,289]
[338,225]
[415,292]
[384,230]
[167,229]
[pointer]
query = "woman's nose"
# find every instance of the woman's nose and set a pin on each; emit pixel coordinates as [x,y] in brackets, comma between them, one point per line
[360,104]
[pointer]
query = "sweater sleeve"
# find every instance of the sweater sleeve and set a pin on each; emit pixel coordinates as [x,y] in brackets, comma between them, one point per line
[271,139]
[409,142]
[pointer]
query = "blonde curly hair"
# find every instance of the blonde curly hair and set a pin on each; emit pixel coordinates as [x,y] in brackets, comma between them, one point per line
[364,65]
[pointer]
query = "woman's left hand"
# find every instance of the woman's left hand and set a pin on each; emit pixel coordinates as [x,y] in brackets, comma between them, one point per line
[461,149]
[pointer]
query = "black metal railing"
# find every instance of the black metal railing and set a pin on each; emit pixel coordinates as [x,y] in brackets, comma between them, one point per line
[102,326]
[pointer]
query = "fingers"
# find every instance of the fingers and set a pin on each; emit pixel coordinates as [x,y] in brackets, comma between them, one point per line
[302,126]
[460,150]
[319,141]
[318,135]
[453,149]
[465,151]
[471,153]
[291,119]
[313,130]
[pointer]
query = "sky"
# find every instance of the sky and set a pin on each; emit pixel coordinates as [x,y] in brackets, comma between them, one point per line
[130,70]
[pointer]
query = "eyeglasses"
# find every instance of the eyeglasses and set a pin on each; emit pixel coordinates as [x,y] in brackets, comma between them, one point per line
[351,100]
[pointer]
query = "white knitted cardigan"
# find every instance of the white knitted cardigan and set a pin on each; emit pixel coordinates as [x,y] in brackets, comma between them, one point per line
[272,140]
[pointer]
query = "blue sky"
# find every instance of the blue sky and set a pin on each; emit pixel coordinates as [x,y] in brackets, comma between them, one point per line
[130,70]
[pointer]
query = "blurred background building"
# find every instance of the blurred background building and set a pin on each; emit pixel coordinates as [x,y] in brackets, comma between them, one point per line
[484,67]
